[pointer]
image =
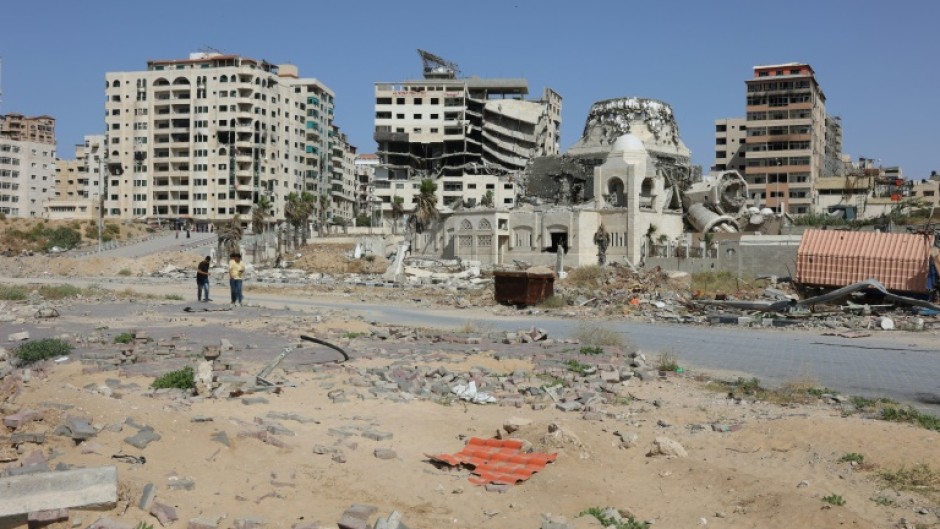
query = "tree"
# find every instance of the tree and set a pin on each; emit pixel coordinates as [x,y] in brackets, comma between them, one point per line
[324,203]
[294,214]
[425,211]
[398,211]
[260,213]
[487,200]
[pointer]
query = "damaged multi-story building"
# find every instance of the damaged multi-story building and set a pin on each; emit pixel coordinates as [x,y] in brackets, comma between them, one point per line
[465,132]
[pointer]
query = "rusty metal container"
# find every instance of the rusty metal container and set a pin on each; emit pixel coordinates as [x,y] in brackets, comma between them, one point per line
[523,288]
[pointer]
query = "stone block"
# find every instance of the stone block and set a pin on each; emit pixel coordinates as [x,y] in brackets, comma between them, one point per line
[79,428]
[142,438]
[377,435]
[385,453]
[49,516]
[21,417]
[166,514]
[57,490]
[147,496]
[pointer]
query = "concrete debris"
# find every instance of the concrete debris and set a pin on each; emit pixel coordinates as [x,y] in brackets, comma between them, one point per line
[57,490]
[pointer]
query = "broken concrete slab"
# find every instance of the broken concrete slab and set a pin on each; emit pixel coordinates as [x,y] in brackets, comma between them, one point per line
[166,514]
[47,517]
[79,428]
[142,438]
[147,496]
[57,490]
[21,417]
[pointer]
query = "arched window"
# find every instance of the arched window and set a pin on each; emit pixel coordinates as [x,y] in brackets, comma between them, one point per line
[465,225]
[223,79]
[485,225]
[116,83]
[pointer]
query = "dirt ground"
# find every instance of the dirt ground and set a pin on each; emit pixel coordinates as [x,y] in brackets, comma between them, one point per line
[749,463]
[772,470]
[14,232]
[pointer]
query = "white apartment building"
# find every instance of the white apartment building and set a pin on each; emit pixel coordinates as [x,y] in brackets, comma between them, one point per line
[365,192]
[730,145]
[202,139]
[78,182]
[342,178]
[27,164]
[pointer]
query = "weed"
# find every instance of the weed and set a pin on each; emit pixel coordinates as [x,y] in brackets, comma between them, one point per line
[588,334]
[667,362]
[124,337]
[819,392]
[60,291]
[592,350]
[911,415]
[352,335]
[173,297]
[554,302]
[834,499]
[143,525]
[884,501]
[620,400]
[550,380]
[852,457]
[586,276]
[749,386]
[179,379]
[710,283]
[919,477]
[125,272]
[609,521]
[13,293]
[31,352]
[577,367]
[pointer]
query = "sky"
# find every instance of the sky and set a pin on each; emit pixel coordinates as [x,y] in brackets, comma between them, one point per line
[877,62]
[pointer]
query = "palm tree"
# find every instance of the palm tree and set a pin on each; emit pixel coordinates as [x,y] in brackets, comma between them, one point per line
[398,210]
[294,214]
[260,212]
[308,205]
[324,208]
[425,211]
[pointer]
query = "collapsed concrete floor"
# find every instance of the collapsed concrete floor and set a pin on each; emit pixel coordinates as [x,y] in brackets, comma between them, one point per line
[359,432]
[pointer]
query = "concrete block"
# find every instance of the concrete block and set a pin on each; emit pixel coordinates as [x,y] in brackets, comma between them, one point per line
[57,490]
[50,516]
[377,435]
[147,496]
[80,428]
[20,418]
[385,453]
[166,514]
[142,438]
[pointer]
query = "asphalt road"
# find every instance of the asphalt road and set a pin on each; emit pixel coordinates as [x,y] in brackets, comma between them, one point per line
[901,365]
[162,243]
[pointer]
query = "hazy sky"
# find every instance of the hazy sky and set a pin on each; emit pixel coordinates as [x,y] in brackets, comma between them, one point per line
[878,62]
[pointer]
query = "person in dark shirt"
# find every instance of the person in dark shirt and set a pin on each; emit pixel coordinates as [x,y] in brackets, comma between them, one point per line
[202,279]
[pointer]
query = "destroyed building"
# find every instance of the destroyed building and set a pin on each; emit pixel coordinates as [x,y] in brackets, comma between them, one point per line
[445,126]
[609,197]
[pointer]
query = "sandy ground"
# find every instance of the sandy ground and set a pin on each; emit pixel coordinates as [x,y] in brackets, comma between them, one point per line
[750,477]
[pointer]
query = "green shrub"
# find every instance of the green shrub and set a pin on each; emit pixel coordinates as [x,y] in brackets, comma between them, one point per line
[911,415]
[609,521]
[577,367]
[554,302]
[834,499]
[852,457]
[35,351]
[179,379]
[13,293]
[59,291]
[592,350]
[125,272]
[124,337]
[173,297]
[63,237]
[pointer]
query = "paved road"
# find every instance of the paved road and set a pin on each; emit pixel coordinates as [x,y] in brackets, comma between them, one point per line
[162,243]
[901,365]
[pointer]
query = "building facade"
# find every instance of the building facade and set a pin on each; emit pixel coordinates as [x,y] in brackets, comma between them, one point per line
[342,178]
[365,193]
[78,182]
[27,164]
[786,136]
[730,145]
[202,139]
[460,129]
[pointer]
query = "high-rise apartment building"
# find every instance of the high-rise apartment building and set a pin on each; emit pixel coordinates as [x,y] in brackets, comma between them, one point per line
[78,182]
[730,145]
[202,139]
[786,136]
[445,126]
[27,164]
[342,177]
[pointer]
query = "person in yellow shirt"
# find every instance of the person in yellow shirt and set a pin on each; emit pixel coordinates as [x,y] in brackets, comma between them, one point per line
[236,273]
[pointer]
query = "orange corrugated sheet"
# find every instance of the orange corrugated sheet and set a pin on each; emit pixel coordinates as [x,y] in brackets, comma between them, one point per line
[839,258]
[497,461]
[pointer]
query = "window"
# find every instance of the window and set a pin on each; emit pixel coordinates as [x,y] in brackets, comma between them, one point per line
[507,200]
[400,101]
[435,116]
[383,115]
[435,101]
[418,101]
[383,101]
[507,186]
